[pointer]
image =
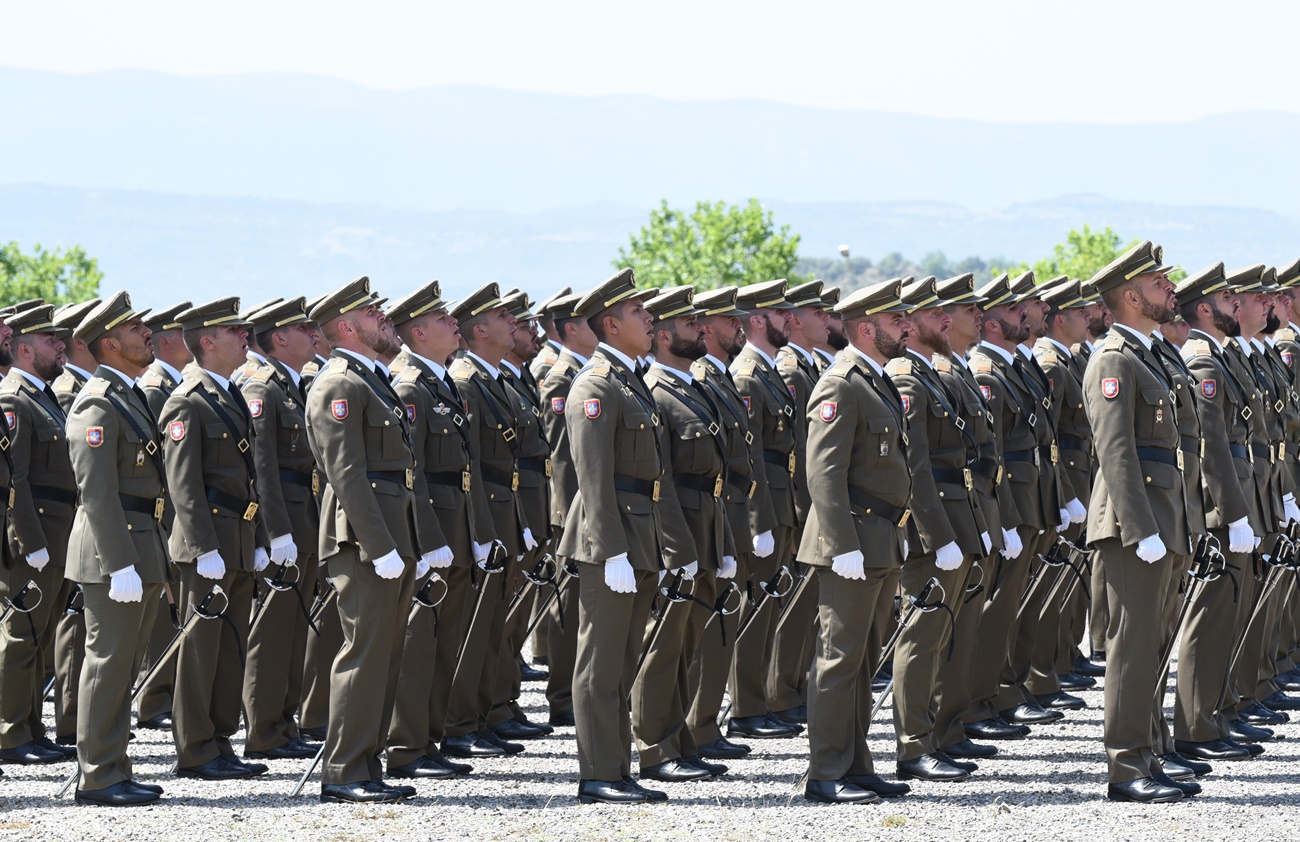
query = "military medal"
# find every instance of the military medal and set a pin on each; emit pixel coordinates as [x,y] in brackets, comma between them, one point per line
[884,448]
[139,458]
[1160,415]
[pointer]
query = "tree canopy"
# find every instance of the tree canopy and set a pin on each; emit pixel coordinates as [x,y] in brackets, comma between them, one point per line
[1082,254]
[60,276]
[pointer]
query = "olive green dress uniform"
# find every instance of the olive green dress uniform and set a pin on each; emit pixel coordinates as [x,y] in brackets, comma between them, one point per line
[772,411]
[1139,492]
[1288,351]
[211,487]
[944,510]
[44,493]
[545,359]
[116,527]
[286,475]
[860,486]
[361,440]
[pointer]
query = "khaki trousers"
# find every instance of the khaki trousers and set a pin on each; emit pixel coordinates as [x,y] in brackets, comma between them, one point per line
[273,676]
[753,653]
[22,657]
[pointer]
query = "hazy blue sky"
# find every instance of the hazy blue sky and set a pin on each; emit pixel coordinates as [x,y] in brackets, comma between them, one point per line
[1012,60]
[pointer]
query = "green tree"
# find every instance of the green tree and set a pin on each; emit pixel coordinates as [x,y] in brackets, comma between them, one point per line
[713,246]
[60,276]
[1080,256]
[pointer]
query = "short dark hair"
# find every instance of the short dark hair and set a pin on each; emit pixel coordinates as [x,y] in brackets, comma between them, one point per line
[1114,295]
[194,340]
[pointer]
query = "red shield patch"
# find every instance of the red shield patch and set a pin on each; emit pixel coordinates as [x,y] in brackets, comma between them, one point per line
[829,410]
[339,409]
[1209,388]
[1286,358]
[987,392]
[792,394]
[591,408]
[11,420]
[410,412]
[907,403]
[1110,387]
[255,408]
[557,406]
[176,430]
[94,436]
[746,400]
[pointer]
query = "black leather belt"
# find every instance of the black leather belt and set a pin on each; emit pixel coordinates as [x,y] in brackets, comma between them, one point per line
[744,486]
[873,505]
[528,463]
[777,457]
[1262,451]
[406,479]
[695,482]
[233,505]
[449,478]
[988,468]
[303,478]
[1162,455]
[1239,451]
[1074,443]
[143,505]
[952,476]
[1191,445]
[1030,455]
[65,496]
[505,479]
[644,487]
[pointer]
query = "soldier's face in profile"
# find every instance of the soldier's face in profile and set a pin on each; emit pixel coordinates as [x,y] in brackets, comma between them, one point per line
[1036,316]
[776,329]
[1157,301]
[812,324]
[891,333]
[368,328]
[299,344]
[443,332]
[932,327]
[634,327]
[687,338]
[6,349]
[47,356]
[1224,309]
[1071,326]
[1252,314]
[964,325]
[134,343]
[835,332]
[1012,319]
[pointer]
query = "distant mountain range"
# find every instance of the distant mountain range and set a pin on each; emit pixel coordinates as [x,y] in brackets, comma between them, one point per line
[164,247]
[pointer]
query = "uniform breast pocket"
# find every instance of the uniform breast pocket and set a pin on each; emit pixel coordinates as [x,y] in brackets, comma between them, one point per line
[881,437]
[218,449]
[1157,419]
[132,457]
[293,433]
[51,440]
[698,442]
[384,433]
[640,431]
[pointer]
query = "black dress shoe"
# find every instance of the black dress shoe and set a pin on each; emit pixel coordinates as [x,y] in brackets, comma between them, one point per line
[401,789]
[313,734]
[1024,730]
[120,794]
[508,747]
[148,787]
[723,749]
[1074,681]
[1031,714]
[31,753]
[470,745]
[453,766]
[966,748]
[1244,732]
[524,720]
[1179,767]
[292,750]
[1254,749]
[1187,788]
[993,729]
[1061,701]
[879,785]
[562,719]
[359,792]
[253,768]
[714,769]
[930,767]
[1289,680]
[1281,701]
[161,722]
[66,740]
[1145,791]
[1088,668]
[216,769]
[1256,714]
[1211,750]
[759,728]
[794,716]
[674,771]
[610,792]
[842,791]
[69,751]
[513,729]
[420,767]
[964,765]
[771,717]
[528,672]
[654,796]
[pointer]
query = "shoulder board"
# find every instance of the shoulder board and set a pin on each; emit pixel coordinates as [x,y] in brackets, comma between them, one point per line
[1284,334]
[189,384]
[151,378]
[336,365]
[250,367]
[981,364]
[788,361]
[1077,348]
[600,366]
[746,368]
[899,365]
[263,374]
[941,363]
[841,368]
[463,374]
[1113,342]
[410,374]
[9,386]
[65,383]
[95,386]
[1196,348]
[1046,356]
[310,369]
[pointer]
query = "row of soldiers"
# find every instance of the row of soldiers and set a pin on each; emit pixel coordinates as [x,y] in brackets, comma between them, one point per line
[771,454]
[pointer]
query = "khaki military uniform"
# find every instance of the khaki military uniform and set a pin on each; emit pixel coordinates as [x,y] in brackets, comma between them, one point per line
[116,457]
[545,360]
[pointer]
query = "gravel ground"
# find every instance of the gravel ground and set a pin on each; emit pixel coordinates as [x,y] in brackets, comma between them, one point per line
[1051,785]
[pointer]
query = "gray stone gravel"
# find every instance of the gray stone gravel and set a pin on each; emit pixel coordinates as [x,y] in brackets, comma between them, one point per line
[1050,786]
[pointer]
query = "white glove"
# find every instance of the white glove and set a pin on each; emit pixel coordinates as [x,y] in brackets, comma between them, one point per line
[439,558]
[1065,521]
[849,565]
[481,551]
[260,559]
[619,575]
[1011,544]
[727,570]
[1241,539]
[39,559]
[1151,549]
[1078,514]
[422,567]
[284,550]
[948,557]
[904,548]
[688,572]
[125,585]
[1292,510]
[389,566]
[764,545]
[210,565]
[529,541]
[987,540]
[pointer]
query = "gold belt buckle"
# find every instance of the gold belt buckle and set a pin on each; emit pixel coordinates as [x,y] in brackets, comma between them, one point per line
[906,515]
[548,468]
[1056,453]
[250,512]
[1281,450]
[410,478]
[1036,462]
[967,478]
[717,486]
[159,504]
[1179,452]
[12,498]
[792,463]
[315,482]
[753,486]
[514,480]
[998,481]
[465,481]
[654,494]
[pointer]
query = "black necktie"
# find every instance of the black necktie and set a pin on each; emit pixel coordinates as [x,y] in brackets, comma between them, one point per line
[54,404]
[144,403]
[451,385]
[238,399]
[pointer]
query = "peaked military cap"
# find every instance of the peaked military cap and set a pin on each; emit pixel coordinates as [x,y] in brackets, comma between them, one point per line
[38,319]
[165,319]
[1143,259]
[1204,283]
[1288,275]
[1025,286]
[105,316]
[830,297]
[70,315]
[1268,280]
[519,304]
[884,297]
[28,304]
[352,296]
[959,289]
[997,292]
[769,295]
[249,312]
[478,302]
[621,286]
[1247,278]
[544,305]
[1064,295]
[806,295]
[224,312]
[923,294]
[283,314]
[719,302]
[673,303]
[426,299]
[562,307]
